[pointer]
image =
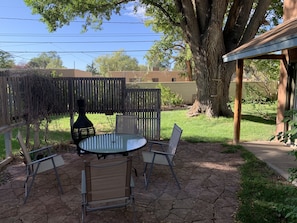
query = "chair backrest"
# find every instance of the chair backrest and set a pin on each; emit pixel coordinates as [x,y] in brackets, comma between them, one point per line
[108,179]
[23,147]
[174,139]
[126,124]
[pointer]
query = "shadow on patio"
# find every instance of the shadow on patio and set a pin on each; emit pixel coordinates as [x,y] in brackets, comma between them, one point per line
[208,177]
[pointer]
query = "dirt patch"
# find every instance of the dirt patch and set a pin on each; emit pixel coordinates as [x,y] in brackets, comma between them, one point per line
[5,177]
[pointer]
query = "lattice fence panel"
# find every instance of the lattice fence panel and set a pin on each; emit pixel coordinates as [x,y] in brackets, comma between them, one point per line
[146,105]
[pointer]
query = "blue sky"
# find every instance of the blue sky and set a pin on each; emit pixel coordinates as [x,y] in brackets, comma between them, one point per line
[25,37]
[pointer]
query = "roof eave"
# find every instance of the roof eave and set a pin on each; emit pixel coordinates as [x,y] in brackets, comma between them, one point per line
[282,37]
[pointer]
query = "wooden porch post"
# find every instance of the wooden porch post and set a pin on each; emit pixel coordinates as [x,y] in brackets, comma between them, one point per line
[237,103]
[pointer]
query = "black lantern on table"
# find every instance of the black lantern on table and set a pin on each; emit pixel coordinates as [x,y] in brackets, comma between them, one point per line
[82,128]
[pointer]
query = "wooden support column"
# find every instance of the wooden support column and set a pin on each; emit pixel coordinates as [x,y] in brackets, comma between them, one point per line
[238,99]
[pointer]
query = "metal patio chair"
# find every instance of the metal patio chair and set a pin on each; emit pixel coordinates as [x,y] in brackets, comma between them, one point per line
[126,124]
[39,161]
[163,157]
[106,184]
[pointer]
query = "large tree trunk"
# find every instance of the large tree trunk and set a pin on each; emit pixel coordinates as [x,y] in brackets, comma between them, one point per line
[213,81]
[205,38]
[212,75]
[210,34]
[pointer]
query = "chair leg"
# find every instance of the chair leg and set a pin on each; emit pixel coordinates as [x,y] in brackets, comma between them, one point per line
[144,174]
[29,187]
[83,212]
[101,156]
[78,151]
[171,168]
[150,172]
[135,171]
[57,176]
[134,211]
[172,171]
[26,189]
[145,167]
[132,202]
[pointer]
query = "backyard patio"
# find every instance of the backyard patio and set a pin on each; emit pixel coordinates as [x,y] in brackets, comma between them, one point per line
[209,184]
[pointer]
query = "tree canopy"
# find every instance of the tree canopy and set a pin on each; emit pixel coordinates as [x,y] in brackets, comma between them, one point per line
[6,60]
[46,60]
[117,61]
[209,28]
[92,68]
[171,48]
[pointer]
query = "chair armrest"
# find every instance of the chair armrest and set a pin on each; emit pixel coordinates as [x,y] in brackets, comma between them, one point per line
[48,148]
[161,152]
[42,159]
[158,143]
[83,182]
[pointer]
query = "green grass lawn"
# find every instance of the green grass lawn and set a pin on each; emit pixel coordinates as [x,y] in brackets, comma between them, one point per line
[264,195]
[258,123]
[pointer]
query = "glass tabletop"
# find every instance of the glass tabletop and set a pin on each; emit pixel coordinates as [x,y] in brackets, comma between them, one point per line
[112,143]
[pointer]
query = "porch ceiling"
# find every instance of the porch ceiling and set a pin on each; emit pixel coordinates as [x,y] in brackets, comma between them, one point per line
[283,36]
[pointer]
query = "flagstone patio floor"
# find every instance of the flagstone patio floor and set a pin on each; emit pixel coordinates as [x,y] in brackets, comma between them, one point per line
[209,183]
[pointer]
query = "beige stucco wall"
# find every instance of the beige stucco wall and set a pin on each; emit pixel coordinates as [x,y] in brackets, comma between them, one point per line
[187,90]
[72,73]
[148,76]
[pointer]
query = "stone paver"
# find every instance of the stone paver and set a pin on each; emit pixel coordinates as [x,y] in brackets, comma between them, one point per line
[209,180]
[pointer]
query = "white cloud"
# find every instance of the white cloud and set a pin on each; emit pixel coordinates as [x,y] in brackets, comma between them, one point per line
[140,13]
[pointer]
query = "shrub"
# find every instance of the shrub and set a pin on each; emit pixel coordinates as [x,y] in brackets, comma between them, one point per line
[168,97]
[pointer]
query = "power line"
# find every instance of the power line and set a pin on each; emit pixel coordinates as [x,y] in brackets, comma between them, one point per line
[76,21]
[54,35]
[70,42]
[78,51]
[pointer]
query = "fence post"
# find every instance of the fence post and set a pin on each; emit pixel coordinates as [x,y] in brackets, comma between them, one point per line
[71,101]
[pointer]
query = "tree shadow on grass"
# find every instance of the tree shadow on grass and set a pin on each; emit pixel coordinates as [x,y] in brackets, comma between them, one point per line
[200,139]
[268,120]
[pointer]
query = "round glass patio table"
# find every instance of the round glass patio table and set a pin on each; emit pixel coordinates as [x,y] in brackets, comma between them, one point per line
[114,143]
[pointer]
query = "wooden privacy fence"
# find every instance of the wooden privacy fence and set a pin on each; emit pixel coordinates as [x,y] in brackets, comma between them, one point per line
[102,95]
[25,97]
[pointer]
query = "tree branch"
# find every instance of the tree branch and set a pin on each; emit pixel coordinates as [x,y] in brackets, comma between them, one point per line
[256,21]
[218,10]
[236,23]
[165,12]
[189,23]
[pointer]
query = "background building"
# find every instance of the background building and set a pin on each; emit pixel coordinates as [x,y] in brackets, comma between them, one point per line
[149,76]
